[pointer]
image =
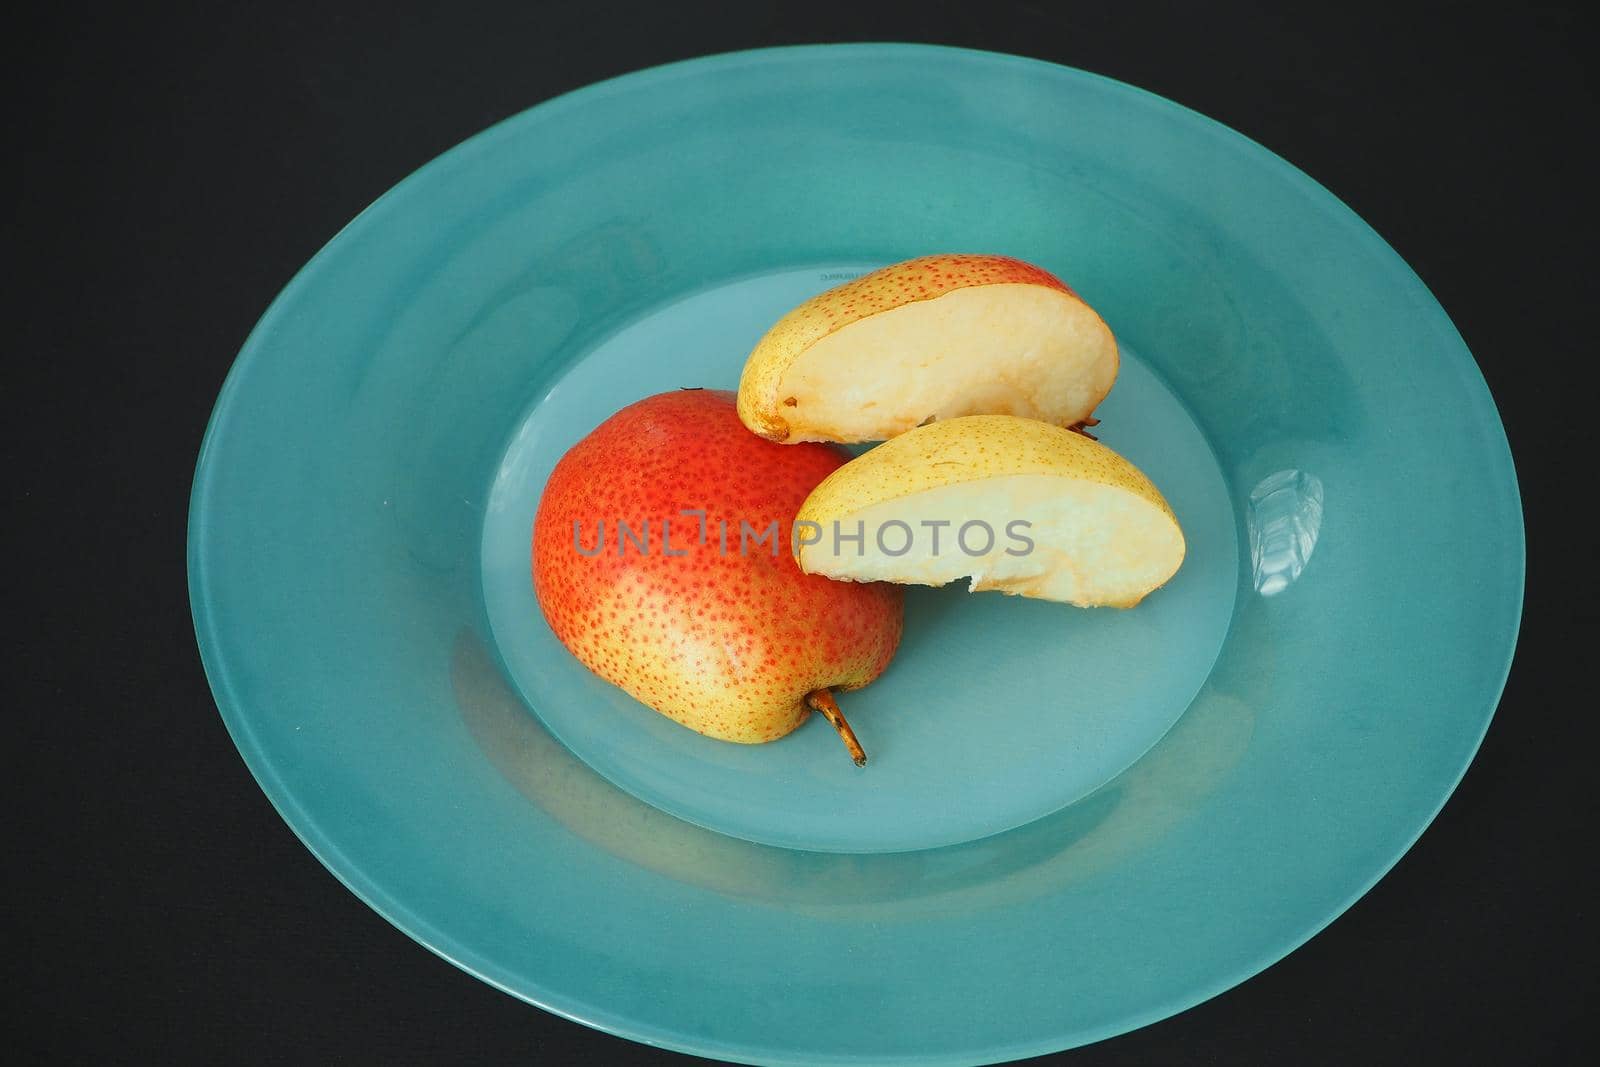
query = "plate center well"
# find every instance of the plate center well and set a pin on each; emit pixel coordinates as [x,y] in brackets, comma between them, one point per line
[995,711]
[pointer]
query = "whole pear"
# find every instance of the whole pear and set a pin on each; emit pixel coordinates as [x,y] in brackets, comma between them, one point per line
[662,559]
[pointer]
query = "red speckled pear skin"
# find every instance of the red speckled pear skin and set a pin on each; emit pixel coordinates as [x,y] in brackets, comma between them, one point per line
[925,278]
[728,644]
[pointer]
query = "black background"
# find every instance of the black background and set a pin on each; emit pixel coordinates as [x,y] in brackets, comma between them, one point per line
[178,166]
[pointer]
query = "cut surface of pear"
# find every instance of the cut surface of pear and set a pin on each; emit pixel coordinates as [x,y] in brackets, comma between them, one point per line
[1015,504]
[931,338]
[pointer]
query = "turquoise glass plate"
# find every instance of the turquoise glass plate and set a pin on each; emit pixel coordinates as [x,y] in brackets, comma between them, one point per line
[1136,811]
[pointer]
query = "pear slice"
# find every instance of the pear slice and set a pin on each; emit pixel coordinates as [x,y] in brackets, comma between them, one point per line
[931,338]
[1015,504]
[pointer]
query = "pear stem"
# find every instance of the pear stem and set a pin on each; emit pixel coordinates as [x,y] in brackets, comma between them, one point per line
[822,702]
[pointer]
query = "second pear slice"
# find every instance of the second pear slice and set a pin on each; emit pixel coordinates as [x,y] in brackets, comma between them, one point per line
[1015,504]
